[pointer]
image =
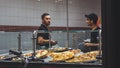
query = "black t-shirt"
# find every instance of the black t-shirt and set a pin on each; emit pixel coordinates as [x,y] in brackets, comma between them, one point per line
[94,38]
[44,35]
[95,35]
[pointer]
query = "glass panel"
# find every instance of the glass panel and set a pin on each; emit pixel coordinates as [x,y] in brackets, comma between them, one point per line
[26,41]
[8,40]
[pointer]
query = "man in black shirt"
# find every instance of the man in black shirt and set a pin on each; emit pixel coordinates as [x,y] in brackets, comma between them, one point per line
[91,20]
[43,38]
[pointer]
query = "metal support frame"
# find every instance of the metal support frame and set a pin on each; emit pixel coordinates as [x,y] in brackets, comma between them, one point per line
[34,41]
[19,42]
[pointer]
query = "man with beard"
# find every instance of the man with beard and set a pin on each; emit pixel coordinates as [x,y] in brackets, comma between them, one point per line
[43,38]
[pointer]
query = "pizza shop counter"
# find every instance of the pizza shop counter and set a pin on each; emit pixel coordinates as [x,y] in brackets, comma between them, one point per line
[41,64]
[37,64]
[16,61]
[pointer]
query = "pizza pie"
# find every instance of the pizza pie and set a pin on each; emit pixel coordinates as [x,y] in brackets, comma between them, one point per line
[60,49]
[61,56]
[89,56]
[27,55]
[38,54]
[41,53]
[2,57]
[75,51]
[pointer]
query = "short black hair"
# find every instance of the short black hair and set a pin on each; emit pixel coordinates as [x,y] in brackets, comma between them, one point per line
[92,16]
[44,14]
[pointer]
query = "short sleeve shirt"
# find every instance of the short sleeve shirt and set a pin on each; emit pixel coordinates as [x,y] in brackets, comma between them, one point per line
[94,38]
[44,35]
[95,35]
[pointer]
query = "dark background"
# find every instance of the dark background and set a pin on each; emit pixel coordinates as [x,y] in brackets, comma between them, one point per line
[111,35]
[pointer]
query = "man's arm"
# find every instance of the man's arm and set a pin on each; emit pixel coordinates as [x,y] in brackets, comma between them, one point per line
[41,40]
[91,44]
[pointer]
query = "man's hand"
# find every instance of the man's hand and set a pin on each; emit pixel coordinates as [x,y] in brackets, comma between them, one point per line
[87,44]
[44,41]
[54,42]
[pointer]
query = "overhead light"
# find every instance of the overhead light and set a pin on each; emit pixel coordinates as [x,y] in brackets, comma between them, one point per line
[58,1]
[38,0]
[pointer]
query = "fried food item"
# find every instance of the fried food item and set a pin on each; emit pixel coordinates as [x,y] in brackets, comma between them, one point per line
[61,56]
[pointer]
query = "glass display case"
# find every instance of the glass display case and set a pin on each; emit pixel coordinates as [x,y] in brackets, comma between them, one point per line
[22,48]
[18,47]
